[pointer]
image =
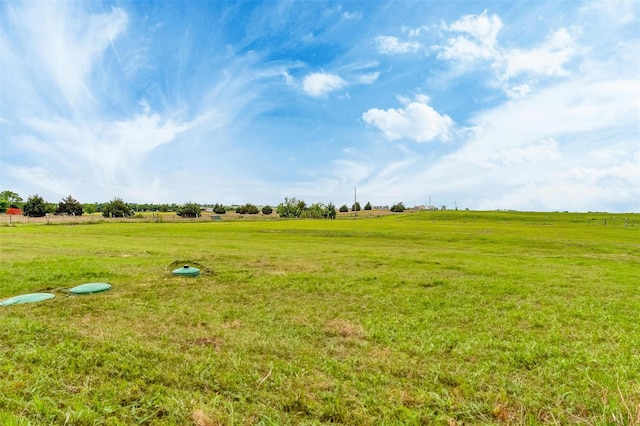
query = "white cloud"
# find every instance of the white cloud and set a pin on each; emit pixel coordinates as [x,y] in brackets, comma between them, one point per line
[68,52]
[417,121]
[416,32]
[518,91]
[347,15]
[320,84]
[368,78]
[483,28]
[546,59]
[392,45]
[477,39]
[542,150]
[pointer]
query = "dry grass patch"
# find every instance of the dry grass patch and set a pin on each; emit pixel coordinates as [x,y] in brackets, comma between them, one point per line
[200,418]
[345,328]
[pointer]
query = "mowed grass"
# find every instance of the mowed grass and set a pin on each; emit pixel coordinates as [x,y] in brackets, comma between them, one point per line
[427,318]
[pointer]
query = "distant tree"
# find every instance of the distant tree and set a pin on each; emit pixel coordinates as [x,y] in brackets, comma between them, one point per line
[315,211]
[4,205]
[398,208]
[219,209]
[12,198]
[89,208]
[34,207]
[356,207]
[189,209]
[69,205]
[247,209]
[443,207]
[367,206]
[290,208]
[116,208]
[330,211]
[164,208]
[51,208]
[344,208]
[267,210]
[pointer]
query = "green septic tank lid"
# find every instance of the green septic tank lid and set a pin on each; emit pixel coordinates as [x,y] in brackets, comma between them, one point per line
[90,288]
[187,271]
[27,298]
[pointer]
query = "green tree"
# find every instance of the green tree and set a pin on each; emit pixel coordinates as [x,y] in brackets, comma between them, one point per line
[12,198]
[356,207]
[290,208]
[330,211]
[247,209]
[344,208]
[219,209]
[267,210]
[4,205]
[398,208]
[315,211]
[89,208]
[35,206]
[367,206]
[189,209]
[69,205]
[116,208]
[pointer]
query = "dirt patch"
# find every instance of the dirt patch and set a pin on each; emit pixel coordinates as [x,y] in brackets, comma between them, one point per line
[213,342]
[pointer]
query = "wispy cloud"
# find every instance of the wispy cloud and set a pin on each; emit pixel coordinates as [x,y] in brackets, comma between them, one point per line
[392,45]
[477,39]
[321,84]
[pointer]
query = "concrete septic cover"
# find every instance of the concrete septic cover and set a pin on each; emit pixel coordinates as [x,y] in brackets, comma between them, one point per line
[187,271]
[27,298]
[90,288]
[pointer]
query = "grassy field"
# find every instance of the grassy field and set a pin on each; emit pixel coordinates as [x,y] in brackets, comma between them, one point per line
[428,318]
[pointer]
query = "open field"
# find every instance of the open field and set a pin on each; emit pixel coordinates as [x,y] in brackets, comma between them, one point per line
[428,318]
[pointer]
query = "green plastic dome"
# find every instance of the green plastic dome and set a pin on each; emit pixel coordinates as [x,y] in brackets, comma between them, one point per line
[90,288]
[26,298]
[187,271]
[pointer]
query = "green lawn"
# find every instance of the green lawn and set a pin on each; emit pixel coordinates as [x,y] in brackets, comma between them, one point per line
[428,318]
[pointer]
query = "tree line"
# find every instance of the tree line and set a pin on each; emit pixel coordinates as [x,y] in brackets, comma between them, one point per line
[36,206]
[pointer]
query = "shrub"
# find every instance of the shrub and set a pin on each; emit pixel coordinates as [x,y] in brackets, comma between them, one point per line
[398,208]
[290,208]
[69,205]
[247,209]
[267,210]
[188,209]
[330,211]
[34,207]
[367,206]
[116,208]
[344,208]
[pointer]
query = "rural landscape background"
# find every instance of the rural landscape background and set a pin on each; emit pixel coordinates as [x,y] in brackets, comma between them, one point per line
[402,212]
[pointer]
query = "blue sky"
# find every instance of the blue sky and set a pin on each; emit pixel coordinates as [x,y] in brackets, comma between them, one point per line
[483,105]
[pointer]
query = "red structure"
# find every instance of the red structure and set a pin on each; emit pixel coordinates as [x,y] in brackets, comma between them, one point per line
[13,210]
